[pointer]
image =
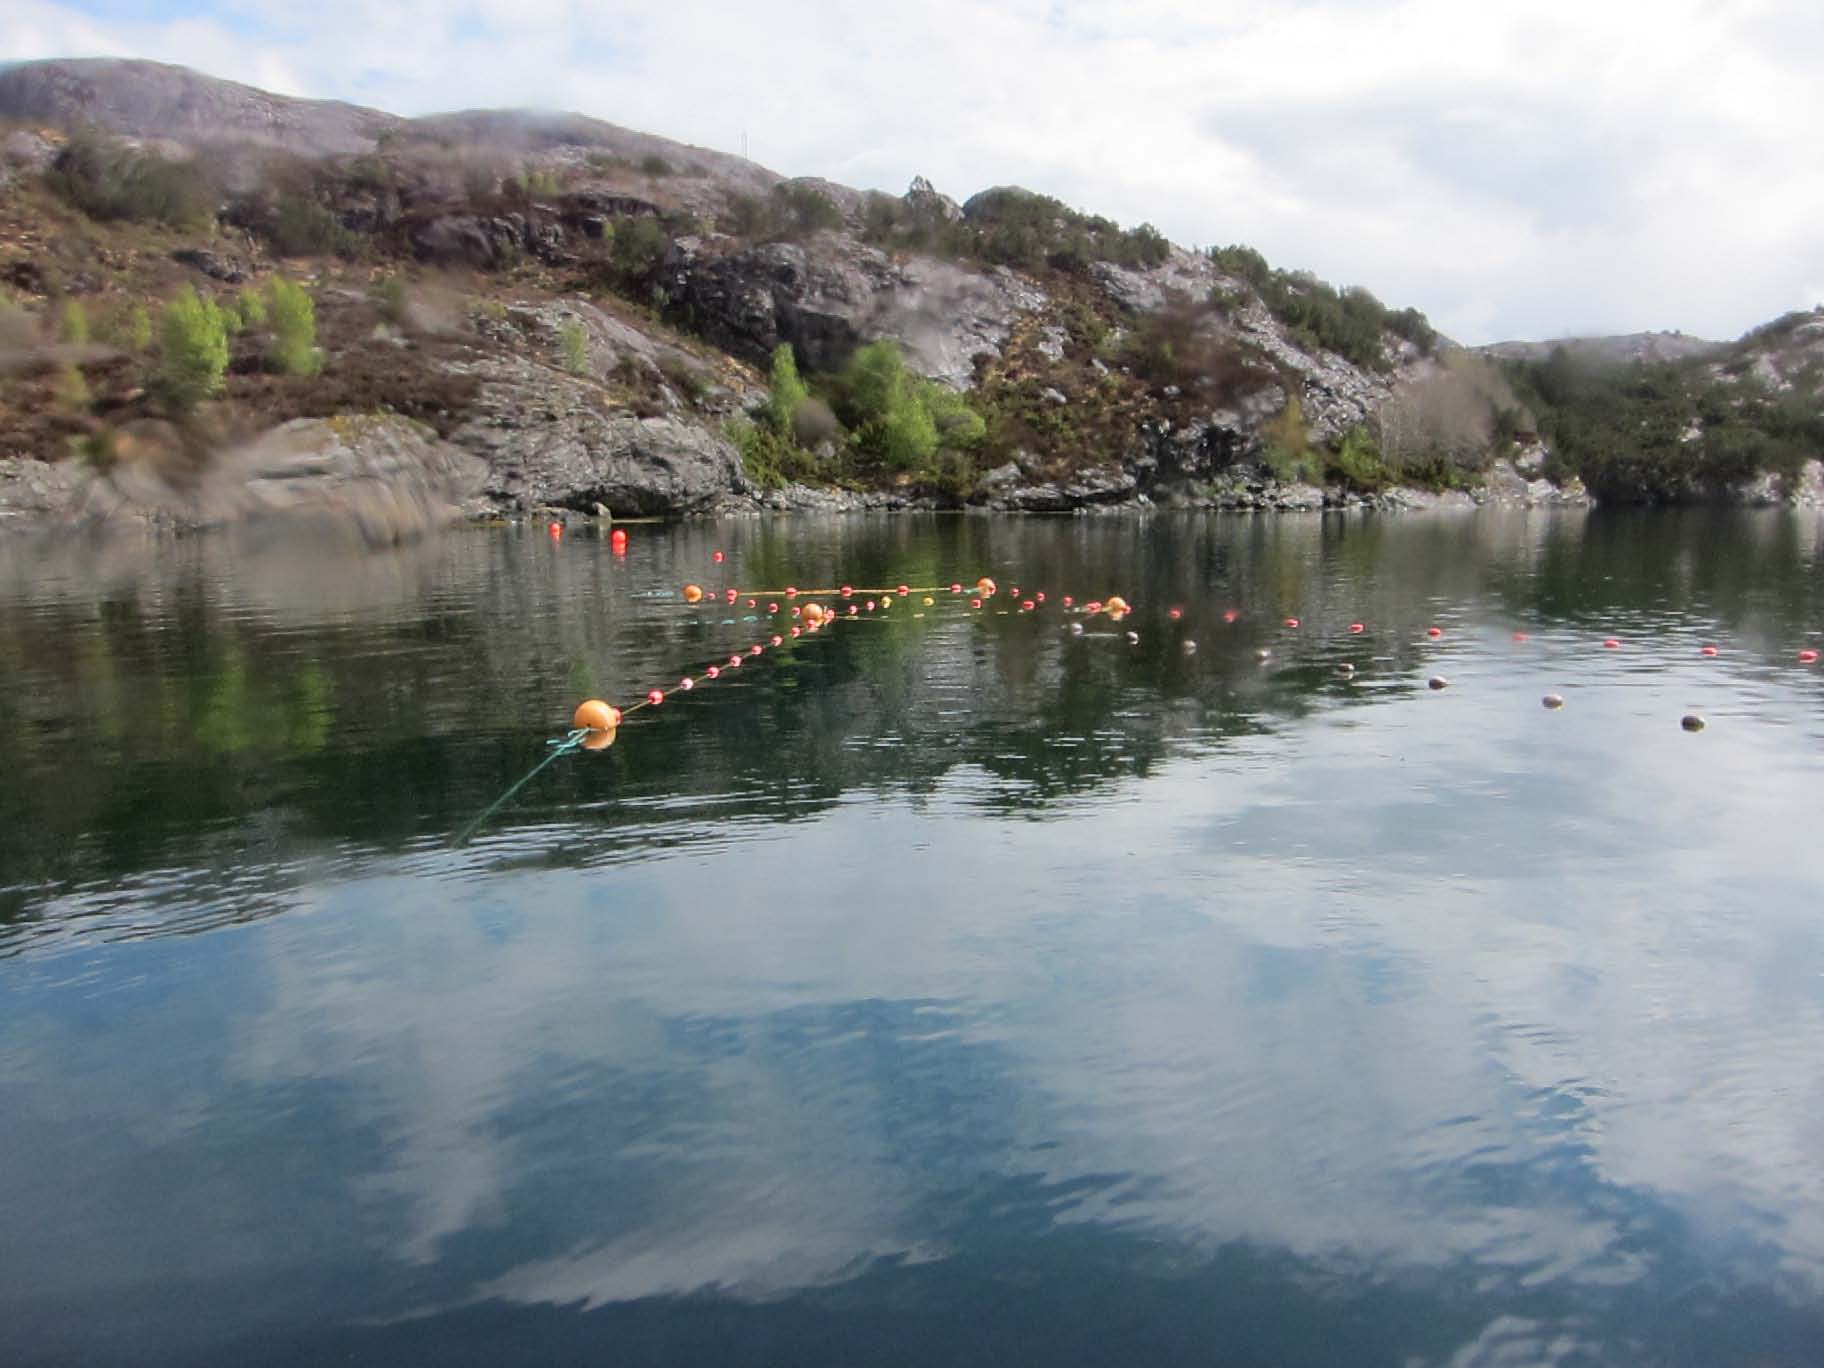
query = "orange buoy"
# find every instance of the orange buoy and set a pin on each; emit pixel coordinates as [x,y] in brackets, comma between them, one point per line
[813,613]
[1116,604]
[985,587]
[618,536]
[595,715]
[599,739]
[693,593]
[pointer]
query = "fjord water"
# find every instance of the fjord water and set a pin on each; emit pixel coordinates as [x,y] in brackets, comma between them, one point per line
[941,989]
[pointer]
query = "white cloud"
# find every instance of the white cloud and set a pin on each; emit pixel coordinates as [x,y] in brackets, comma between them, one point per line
[1513,168]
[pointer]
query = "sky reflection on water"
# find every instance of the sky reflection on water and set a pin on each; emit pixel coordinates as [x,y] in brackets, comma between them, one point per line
[961,992]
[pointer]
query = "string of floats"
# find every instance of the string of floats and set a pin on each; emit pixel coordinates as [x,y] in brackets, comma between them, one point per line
[596,722]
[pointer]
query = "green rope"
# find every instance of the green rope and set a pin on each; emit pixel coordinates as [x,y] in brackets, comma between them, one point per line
[558,747]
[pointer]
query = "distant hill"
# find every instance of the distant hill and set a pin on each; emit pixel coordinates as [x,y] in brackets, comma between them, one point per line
[155,100]
[1622,348]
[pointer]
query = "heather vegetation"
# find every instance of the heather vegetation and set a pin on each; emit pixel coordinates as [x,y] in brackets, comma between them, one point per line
[1666,432]
[1349,322]
[1008,226]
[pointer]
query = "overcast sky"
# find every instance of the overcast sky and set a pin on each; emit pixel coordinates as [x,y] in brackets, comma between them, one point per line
[1516,168]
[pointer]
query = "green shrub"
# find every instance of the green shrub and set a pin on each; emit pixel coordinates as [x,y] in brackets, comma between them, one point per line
[75,322]
[110,182]
[72,390]
[785,390]
[573,341]
[293,316]
[655,165]
[388,299]
[639,245]
[251,305]
[1357,462]
[139,328]
[193,351]
[1288,444]
[302,227]
[898,417]
[769,458]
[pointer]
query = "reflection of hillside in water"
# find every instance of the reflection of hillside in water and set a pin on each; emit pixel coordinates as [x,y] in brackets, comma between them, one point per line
[223,707]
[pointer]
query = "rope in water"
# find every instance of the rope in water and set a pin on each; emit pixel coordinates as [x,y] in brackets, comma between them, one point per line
[563,745]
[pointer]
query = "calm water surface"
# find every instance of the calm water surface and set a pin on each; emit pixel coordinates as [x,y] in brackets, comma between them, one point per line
[941,990]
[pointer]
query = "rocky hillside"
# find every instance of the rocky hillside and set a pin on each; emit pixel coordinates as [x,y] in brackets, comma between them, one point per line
[576,316]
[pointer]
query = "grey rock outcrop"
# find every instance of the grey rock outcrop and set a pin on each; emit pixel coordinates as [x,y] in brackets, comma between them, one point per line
[386,478]
[828,297]
[551,440]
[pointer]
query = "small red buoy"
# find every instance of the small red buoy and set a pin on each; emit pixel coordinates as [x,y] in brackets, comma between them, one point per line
[905,589]
[731,595]
[1291,622]
[1611,644]
[717,558]
[772,607]
[1027,605]
[848,591]
[755,649]
[1808,657]
[1040,596]
[1708,651]
[655,696]
[796,630]
[1230,614]
[618,535]
[557,530]
[1434,632]
[1174,613]
[853,610]
[975,603]
[734,662]
[870,605]
[753,603]
[714,672]
[1521,636]
[778,641]
[1356,628]
[956,588]
[1068,600]
[791,591]
[687,683]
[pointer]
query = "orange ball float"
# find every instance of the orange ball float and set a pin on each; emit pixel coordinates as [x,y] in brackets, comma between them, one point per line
[599,740]
[693,593]
[1116,604]
[595,715]
[984,586]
